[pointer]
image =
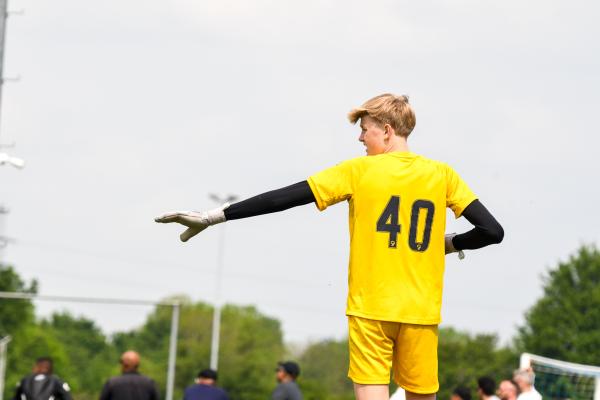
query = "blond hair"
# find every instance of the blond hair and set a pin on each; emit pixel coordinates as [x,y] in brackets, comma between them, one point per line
[388,109]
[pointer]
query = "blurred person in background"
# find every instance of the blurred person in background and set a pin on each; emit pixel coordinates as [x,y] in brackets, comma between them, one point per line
[41,384]
[205,387]
[461,393]
[130,385]
[508,390]
[286,374]
[399,394]
[486,388]
[524,378]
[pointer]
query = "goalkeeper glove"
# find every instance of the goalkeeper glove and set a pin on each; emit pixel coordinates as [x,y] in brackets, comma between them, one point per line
[194,220]
[449,246]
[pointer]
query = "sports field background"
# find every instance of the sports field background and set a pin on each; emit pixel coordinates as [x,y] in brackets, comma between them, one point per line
[126,109]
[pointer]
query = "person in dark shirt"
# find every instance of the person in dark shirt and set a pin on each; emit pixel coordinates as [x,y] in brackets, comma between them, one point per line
[131,385]
[461,393]
[41,384]
[205,387]
[287,389]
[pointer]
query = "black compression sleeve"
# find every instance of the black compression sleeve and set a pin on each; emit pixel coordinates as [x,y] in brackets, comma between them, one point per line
[294,195]
[486,231]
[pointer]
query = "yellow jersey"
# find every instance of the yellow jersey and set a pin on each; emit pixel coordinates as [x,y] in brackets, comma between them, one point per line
[397,221]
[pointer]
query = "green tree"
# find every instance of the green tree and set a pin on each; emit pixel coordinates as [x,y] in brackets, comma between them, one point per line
[565,323]
[31,342]
[14,314]
[91,358]
[251,345]
[464,357]
[151,340]
[325,371]
[17,320]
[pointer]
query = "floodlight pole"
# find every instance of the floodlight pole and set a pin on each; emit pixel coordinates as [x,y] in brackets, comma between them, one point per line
[172,351]
[3,16]
[5,158]
[216,324]
[3,356]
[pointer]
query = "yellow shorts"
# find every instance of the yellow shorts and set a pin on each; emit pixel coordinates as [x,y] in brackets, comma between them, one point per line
[410,350]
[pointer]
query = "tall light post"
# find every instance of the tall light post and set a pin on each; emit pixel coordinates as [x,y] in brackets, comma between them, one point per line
[5,159]
[216,325]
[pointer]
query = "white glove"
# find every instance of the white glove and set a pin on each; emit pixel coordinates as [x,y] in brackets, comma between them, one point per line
[449,246]
[194,220]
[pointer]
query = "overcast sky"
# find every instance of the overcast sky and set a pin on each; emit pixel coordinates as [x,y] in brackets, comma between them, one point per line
[129,108]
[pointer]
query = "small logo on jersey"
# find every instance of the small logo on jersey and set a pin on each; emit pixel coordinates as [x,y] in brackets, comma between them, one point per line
[66,387]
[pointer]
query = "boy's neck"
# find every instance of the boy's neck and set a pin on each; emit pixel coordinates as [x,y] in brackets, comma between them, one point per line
[398,143]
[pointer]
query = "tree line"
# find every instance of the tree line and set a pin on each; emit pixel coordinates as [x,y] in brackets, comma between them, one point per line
[564,324]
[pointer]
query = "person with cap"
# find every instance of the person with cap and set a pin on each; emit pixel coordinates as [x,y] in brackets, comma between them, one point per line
[42,384]
[130,385]
[286,373]
[205,387]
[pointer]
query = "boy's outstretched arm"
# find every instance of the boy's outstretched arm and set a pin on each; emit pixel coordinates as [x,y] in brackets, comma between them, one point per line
[276,200]
[486,230]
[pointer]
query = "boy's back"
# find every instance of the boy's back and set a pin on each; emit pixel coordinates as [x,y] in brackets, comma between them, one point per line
[397,222]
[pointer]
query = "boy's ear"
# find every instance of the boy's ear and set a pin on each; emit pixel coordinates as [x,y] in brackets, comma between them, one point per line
[388,129]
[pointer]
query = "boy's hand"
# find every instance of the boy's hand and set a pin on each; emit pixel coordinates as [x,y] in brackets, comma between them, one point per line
[194,220]
[449,246]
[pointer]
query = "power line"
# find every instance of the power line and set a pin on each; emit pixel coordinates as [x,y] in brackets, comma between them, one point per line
[55,247]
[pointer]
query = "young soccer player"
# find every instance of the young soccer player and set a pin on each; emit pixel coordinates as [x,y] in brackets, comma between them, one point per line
[397,219]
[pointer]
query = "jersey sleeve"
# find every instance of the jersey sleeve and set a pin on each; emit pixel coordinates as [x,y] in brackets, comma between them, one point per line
[334,184]
[458,193]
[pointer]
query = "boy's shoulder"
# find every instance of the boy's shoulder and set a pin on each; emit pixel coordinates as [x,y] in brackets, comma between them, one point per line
[366,162]
[433,163]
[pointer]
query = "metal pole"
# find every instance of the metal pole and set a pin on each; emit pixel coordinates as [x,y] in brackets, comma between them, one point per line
[172,351]
[216,330]
[93,300]
[3,345]
[216,325]
[3,16]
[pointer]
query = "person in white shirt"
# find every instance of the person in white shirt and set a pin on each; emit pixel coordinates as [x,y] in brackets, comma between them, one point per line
[508,390]
[524,378]
[399,394]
